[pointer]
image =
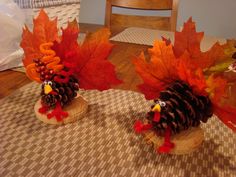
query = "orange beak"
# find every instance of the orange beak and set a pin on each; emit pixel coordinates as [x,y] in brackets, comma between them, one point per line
[47,89]
[156,108]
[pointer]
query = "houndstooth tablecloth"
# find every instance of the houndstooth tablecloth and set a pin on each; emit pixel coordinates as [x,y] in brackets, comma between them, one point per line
[146,36]
[103,143]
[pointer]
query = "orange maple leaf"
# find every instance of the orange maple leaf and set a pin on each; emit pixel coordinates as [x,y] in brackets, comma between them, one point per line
[194,78]
[159,71]
[216,87]
[44,31]
[189,40]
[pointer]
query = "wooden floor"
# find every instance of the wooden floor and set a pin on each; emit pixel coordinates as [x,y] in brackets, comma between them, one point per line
[11,81]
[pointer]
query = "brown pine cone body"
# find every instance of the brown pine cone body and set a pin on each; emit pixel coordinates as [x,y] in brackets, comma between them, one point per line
[65,92]
[183,109]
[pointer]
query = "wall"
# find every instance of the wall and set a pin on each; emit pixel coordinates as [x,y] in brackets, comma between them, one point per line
[92,11]
[214,17]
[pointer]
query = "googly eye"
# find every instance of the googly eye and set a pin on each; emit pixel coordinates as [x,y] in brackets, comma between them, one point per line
[162,103]
[50,83]
[45,82]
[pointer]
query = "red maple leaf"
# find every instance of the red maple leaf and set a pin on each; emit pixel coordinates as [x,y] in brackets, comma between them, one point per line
[189,40]
[88,61]
[44,30]
[68,43]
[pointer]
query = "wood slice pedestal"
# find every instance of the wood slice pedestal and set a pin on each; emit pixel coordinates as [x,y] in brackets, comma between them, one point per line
[76,109]
[185,142]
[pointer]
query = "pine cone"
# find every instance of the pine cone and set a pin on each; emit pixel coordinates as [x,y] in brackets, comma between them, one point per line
[65,92]
[183,109]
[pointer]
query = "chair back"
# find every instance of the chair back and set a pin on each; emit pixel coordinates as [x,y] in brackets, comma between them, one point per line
[113,20]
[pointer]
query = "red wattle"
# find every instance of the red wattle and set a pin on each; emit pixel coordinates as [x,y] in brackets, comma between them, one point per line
[157,117]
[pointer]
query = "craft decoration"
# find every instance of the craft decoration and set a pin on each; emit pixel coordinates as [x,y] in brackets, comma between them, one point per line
[63,66]
[188,86]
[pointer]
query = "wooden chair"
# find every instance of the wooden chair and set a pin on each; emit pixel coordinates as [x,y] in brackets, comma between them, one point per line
[154,22]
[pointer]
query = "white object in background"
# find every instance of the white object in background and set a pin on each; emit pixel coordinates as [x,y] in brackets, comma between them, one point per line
[11,22]
[12,61]
[63,11]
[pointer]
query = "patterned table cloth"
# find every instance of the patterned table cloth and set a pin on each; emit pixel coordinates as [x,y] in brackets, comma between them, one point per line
[146,36]
[103,143]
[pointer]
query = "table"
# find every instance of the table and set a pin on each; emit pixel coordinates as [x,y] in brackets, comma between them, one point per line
[103,143]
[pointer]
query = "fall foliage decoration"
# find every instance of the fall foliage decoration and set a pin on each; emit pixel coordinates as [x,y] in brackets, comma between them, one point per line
[184,84]
[62,65]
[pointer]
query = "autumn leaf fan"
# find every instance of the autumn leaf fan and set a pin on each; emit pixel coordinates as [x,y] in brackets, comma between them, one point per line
[63,66]
[185,90]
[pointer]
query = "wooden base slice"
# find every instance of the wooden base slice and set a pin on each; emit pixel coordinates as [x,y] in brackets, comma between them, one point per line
[76,109]
[185,142]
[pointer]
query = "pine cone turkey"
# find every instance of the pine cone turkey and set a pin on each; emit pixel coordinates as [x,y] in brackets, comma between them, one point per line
[180,108]
[190,85]
[62,92]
